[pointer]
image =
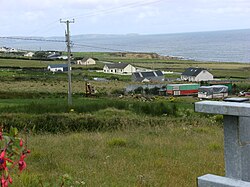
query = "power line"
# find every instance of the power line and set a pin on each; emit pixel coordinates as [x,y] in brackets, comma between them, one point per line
[116,9]
[77,44]
[30,39]
[97,47]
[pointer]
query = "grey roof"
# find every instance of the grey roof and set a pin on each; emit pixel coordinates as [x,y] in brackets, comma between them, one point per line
[192,71]
[86,58]
[148,75]
[159,73]
[58,65]
[117,65]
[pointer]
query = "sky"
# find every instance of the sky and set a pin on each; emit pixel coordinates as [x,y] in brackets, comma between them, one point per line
[42,18]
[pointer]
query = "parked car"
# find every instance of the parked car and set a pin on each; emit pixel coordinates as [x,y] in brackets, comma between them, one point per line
[243,93]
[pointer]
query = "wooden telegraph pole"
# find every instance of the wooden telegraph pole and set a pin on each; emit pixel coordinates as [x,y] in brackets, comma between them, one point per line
[67,35]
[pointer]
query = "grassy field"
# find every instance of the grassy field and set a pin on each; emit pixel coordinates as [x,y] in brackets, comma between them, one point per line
[108,140]
[164,155]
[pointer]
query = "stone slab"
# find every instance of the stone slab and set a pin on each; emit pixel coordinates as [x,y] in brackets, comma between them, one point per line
[210,180]
[224,108]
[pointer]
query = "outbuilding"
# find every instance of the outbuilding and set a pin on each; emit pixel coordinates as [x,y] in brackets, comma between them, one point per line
[182,89]
[211,92]
[58,67]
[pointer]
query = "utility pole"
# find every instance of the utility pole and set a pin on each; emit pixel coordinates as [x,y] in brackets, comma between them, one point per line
[67,35]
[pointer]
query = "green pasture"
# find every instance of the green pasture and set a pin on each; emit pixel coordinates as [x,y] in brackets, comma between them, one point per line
[167,154]
[107,140]
[115,142]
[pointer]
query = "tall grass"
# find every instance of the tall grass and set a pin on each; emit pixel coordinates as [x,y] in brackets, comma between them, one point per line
[168,155]
[154,108]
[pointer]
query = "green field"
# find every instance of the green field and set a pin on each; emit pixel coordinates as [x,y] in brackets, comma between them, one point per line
[113,142]
[108,139]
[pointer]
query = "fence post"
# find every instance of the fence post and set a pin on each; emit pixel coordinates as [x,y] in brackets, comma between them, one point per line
[236,143]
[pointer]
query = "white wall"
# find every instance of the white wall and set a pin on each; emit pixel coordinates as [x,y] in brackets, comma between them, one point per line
[204,76]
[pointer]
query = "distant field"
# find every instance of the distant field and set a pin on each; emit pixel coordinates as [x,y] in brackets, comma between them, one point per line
[58,86]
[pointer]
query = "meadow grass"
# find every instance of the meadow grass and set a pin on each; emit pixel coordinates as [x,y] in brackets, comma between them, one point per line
[163,155]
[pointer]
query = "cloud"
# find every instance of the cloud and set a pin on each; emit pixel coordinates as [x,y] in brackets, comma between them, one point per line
[122,16]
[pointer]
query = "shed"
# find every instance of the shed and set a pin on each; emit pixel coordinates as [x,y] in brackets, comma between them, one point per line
[182,89]
[215,91]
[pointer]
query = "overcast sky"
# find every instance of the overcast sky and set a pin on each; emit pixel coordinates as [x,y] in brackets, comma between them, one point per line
[41,18]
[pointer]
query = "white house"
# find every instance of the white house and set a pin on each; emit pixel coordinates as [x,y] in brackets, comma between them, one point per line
[86,61]
[12,50]
[29,54]
[8,49]
[58,67]
[119,68]
[196,75]
[3,49]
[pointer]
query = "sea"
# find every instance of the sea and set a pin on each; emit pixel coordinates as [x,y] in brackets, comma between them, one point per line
[213,46]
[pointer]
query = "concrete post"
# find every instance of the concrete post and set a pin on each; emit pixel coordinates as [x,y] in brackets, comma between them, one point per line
[236,142]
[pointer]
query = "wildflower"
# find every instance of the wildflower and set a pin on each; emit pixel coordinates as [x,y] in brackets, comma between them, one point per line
[21,143]
[2,161]
[4,182]
[10,179]
[22,163]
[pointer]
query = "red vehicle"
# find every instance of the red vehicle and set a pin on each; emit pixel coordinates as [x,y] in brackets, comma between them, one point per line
[247,94]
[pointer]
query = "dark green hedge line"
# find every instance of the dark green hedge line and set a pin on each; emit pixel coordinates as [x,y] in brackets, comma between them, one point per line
[89,106]
[70,122]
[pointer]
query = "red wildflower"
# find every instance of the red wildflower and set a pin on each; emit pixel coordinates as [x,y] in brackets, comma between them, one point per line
[21,143]
[22,163]
[4,182]
[2,161]
[10,179]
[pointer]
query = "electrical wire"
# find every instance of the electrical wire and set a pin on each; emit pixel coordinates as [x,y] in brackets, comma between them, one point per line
[116,9]
[30,39]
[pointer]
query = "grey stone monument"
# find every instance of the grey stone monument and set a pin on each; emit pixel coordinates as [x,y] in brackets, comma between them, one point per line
[236,143]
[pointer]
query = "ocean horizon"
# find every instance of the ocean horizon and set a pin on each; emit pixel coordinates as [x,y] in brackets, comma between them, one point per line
[210,46]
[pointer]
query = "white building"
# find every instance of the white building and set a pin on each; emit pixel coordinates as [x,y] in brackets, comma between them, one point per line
[86,61]
[3,49]
[58,67]
[119,68]
[196,75]
[12,50]
[29,54]
[8,49]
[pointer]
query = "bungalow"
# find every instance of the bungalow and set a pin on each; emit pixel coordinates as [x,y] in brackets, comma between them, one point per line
[12,50]
[3,49]
[86,61]
[196,75]
[119,68]
[148,76]
[58,67]
[29,54]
